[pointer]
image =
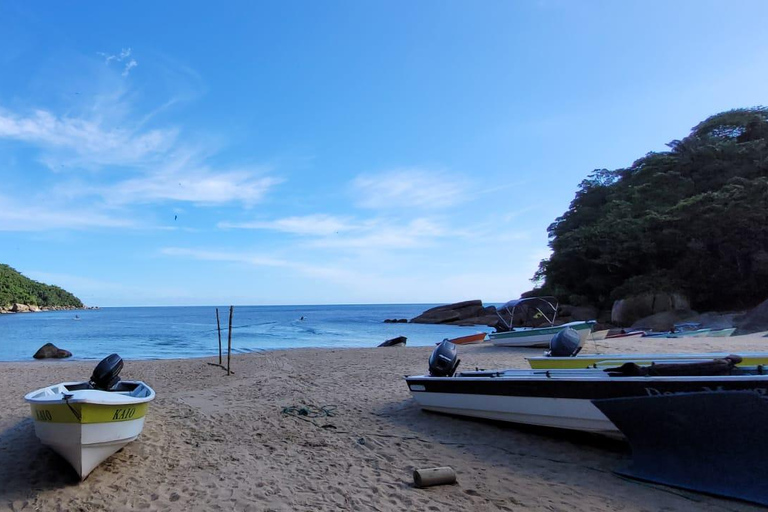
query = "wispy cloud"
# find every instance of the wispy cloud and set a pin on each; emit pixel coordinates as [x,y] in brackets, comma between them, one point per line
[123,56]
[409,188]
[84,141]
[197,184]
[312,225]
[40,216]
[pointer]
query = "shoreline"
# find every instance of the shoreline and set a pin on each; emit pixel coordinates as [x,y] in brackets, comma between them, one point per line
[219,442]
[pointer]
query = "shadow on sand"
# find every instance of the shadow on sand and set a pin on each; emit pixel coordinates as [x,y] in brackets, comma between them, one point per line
[26,466]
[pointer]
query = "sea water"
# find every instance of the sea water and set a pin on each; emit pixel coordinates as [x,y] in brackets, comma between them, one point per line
[181,332]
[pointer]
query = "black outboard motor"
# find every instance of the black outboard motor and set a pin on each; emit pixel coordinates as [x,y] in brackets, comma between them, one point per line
[444,360]
[565,343]
[105,376]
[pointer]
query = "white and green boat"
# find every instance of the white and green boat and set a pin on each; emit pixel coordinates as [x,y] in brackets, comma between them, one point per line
[544,307]
[87,422]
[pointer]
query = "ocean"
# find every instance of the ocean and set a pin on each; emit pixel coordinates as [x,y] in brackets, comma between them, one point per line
[182,332]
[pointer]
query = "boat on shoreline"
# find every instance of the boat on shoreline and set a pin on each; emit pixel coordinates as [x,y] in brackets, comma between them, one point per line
[87,422]
[469,339]
[563,398]
[544,307]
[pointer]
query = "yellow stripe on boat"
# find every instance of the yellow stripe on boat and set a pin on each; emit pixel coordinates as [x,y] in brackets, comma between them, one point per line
[87,413]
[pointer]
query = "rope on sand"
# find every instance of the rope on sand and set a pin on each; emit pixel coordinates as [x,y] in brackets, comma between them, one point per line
[310,411]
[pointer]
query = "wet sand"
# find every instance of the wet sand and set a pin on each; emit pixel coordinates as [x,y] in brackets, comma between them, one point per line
[218,442]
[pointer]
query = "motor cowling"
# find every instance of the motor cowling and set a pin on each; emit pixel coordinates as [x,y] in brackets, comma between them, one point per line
[566,343]
[106,374]
[444,360]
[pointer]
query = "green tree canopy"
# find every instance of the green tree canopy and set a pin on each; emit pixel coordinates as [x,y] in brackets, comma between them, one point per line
[691,219]
[15,288]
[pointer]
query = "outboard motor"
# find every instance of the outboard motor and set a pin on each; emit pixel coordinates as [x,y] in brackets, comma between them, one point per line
[444,360]
[105,376]
[566,343]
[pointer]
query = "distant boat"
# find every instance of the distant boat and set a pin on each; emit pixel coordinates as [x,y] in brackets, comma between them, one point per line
[545,307]
[395,342]
[86,422]
[467,340]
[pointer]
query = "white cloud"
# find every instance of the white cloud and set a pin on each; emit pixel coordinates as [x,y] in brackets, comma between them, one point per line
[86,142]
[409,188]
[232,257]
[123,56]
[383,234]
[199,185]
[313,225]
[129,66]
[40,216]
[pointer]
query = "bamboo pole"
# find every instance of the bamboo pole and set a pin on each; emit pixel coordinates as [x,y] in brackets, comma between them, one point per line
[229,341]
[218,327]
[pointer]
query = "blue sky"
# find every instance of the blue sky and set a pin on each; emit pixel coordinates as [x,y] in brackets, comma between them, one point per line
[159,153]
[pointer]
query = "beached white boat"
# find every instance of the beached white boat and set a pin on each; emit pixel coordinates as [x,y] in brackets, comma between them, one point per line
[86,422]
[559,398]
[544,307]
[538,336]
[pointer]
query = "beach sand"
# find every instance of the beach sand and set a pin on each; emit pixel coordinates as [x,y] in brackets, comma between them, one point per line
[218,442]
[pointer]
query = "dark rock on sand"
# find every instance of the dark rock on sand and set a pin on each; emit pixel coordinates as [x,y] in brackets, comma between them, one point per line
[394,342]
[665,321]
[49,350]
[629,310]
[470,312]
[755,320]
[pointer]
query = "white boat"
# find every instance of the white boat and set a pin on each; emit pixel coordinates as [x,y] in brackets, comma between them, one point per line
[538,336]
[86,422]
[556,398]
[544,307]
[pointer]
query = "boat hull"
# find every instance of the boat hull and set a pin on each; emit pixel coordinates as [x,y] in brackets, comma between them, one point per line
[470,339]
[537,337]
[609,360]
[85,446]
[558,399]
[86,426]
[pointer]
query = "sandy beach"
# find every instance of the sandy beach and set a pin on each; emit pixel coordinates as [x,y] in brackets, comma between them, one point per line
[218,442]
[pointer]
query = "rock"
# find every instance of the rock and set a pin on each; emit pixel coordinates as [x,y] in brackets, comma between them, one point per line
[471,312]
[20,308]
[395,342]
[628,311]
[582,313]
[396,321]
[755,320]
[49,350]
[665,321]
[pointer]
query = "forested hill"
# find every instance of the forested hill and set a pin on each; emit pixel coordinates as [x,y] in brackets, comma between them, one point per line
[693,219]
[17,289]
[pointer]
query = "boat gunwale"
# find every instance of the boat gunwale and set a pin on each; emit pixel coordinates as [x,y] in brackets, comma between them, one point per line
[92,395]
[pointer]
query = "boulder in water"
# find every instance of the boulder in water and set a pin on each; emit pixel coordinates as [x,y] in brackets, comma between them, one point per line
[49,350]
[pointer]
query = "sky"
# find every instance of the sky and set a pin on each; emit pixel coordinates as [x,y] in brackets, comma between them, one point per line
[338,152]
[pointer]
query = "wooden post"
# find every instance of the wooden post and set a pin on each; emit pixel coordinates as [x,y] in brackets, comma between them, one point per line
[229,341]
[218,326]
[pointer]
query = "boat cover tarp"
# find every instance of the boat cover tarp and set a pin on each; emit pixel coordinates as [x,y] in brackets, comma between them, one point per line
[712,442]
